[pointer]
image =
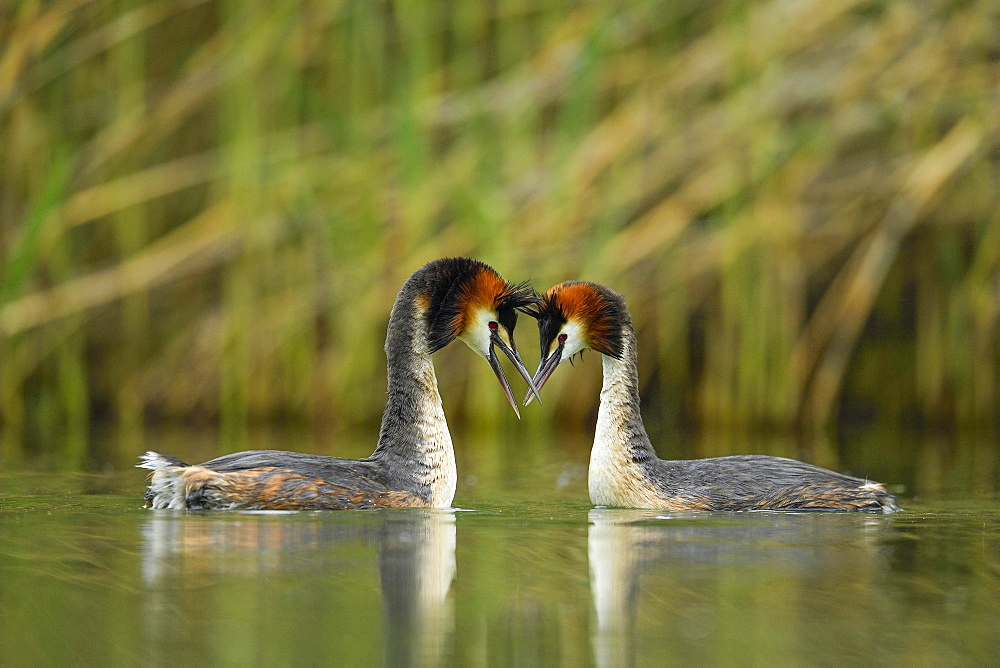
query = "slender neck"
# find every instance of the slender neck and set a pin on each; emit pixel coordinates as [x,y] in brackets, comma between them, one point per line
[620,432]
[414,441]
[622,450]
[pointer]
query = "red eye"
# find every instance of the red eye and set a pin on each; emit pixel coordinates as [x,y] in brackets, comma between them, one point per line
[493,326]
[562,338]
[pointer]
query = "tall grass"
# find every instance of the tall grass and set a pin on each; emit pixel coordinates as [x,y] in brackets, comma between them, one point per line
[206,208]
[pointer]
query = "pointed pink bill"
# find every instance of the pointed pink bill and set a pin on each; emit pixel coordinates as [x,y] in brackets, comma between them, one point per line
[495,340]
[545,369]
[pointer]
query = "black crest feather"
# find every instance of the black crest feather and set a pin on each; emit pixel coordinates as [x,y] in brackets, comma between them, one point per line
[517,297]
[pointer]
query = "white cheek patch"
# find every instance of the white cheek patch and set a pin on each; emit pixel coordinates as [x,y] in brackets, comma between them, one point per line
[575,339]
[477,333]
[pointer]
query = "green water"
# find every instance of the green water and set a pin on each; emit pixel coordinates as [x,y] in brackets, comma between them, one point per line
[89,577]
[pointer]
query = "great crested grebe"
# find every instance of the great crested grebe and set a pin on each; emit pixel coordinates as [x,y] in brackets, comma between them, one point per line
[624,469]
[414,462]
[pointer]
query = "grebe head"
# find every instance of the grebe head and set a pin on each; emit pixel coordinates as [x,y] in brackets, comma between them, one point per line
[468,300]
[576,316]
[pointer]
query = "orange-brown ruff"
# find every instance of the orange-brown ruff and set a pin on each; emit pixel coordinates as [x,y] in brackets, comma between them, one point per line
[487,290]
[624,469]
[414,463]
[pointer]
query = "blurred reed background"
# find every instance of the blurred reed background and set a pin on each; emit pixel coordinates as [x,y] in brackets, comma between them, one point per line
[206,209]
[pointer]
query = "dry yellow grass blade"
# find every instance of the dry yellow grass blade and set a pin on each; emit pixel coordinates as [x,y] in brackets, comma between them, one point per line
[203,241]
[136,188]
[31,35]
[837,323]
[39,31]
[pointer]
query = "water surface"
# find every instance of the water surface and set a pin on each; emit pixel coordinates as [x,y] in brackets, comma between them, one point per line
[87,576]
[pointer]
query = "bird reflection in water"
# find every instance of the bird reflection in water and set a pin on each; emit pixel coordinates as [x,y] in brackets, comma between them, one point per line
[416,567]
[670,573]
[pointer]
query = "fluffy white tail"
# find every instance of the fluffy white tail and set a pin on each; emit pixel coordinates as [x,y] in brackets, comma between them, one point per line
[166,489]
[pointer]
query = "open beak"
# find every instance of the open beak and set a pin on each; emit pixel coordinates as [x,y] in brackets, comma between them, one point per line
[545,369]
[495,340]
